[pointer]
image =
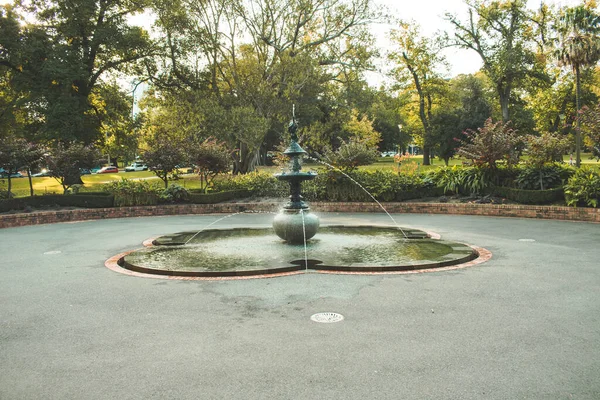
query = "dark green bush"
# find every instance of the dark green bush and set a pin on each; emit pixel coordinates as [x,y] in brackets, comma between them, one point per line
[217,197]
[546,177]
[104,200]
[174,193]
[132,193]
[464,180]
[260,184]
[524,196]
[583,188]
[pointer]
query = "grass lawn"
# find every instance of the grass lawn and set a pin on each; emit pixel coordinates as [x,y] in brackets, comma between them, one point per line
[94,182]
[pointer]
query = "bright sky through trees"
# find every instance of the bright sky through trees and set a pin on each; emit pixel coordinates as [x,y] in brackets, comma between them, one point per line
[429,14]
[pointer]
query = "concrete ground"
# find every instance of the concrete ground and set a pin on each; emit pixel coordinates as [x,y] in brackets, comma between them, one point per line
[524,325]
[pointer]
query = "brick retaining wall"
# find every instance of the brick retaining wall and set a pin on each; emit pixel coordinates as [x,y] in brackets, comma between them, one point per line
[519,211]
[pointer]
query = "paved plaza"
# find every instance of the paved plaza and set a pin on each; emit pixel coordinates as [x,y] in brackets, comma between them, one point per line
[524,325]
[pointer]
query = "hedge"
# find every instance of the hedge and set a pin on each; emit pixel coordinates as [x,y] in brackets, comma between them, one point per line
[523,196]
[87,200]
[218,197]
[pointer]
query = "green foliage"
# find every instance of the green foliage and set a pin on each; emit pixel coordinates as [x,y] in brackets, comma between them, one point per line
[491,143]
[218,197]
[523,196]
[66,161]
[463,180]
[174,193]
[212,158]
[350,155]
[163,157]
[52,200]
[260,184]
[546,148]
[533,177]
[132,193]
[583,188]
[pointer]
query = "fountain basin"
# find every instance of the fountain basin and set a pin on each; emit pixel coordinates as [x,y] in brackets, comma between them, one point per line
[244,251]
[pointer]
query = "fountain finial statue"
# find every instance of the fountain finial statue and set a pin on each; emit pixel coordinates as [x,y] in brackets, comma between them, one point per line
[295,223]
[293,126]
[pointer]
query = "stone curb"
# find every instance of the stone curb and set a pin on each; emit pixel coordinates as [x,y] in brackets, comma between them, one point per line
[490,210]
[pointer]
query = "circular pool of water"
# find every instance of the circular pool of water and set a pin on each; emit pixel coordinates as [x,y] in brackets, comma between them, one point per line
[258,251]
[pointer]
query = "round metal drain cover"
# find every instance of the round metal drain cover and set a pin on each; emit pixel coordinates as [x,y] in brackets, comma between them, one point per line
[327,317]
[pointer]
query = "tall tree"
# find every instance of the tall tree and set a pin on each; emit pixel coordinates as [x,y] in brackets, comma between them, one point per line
[417,64]
[579,33]
[498,31]
[64,54]
[266,54]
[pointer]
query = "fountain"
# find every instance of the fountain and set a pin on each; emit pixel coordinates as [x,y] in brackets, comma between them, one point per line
[295,223]
[244,251]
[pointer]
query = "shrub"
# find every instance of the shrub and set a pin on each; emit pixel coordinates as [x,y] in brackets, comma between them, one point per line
[536,177]
[350,155]
[103,200]
[530,196]
[174,193]
[260,184]
[491,143]
[583,188]
[212,158]
[132,193]
[218,197]
[461,180]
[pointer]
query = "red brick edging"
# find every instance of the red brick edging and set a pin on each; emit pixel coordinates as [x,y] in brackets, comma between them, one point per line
[495,210]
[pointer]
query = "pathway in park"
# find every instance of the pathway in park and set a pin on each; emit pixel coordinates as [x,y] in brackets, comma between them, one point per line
[524,325]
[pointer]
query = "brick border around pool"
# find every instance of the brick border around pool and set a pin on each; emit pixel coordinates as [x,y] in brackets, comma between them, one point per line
[491,210]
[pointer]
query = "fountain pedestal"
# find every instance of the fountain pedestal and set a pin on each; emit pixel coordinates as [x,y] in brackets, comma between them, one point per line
[295,223]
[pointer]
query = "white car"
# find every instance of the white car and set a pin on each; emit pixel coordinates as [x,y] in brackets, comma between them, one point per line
[136,167]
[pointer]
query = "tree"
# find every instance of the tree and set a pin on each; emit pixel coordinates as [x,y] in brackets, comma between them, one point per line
[545,148]
[497,30]
[163,157]
[417,62]
[264,55]
[491,143]
[32,157]
[579,47]
[212,158]
[464,106]
[62,56]
[12,151]
[65,163]
[590,120]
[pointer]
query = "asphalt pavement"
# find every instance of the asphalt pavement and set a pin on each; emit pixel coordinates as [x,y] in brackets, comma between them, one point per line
[524,325]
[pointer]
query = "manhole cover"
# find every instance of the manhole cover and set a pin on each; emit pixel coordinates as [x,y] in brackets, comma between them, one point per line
[526,240]
[327,317]
[53,252]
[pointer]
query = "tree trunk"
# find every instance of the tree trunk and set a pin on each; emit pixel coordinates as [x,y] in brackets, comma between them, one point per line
[30,182]
[504,94]
[426,159]
[578,127]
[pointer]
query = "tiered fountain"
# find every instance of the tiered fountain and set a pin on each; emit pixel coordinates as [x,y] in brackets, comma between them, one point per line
[221,252]
[295,223]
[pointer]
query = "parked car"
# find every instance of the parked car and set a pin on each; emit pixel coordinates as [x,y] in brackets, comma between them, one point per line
[108,170]
[4,174]
[136,167]
[43,172]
